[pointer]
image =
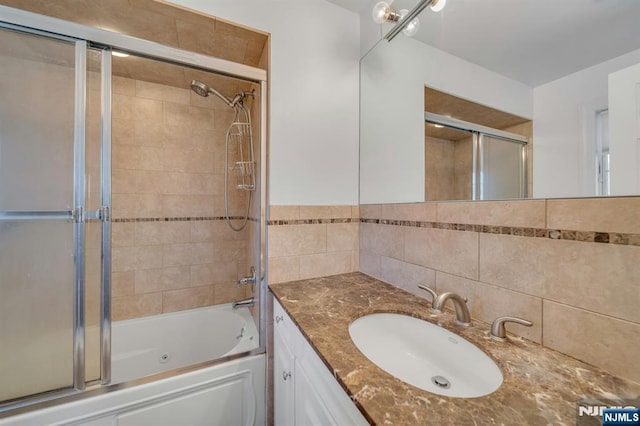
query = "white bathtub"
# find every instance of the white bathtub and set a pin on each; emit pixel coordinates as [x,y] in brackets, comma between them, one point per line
[229,393]
[158,343]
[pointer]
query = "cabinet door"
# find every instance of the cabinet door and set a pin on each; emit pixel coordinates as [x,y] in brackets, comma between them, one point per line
[283,371]
[310,409]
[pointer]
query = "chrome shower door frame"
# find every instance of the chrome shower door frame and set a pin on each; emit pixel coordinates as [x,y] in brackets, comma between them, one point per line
[79,167]
[104,215]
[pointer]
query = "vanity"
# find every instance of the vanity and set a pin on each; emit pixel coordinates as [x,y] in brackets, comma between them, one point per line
[321,377]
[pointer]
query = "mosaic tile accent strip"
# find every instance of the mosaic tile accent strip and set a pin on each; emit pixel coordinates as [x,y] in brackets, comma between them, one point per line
[554,234]
[176,219]
[310,221]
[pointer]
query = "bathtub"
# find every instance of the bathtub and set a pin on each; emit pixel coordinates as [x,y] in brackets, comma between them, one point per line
[227,393]
[151,345]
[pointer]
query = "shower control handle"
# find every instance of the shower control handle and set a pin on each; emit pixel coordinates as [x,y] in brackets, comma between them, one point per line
[279,318]
[251,279]
[286,375]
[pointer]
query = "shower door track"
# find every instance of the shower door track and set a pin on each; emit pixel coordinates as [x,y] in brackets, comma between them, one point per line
[430,117]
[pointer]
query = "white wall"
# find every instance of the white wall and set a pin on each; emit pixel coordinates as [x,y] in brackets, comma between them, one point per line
[562,165]
[624,128]
[392,130]
[370,32]
[314,95]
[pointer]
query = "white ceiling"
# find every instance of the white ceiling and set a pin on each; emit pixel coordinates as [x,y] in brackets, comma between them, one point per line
[531,41]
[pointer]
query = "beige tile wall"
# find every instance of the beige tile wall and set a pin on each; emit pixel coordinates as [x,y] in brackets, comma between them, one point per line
[439,172]
[582,296]
[308,245]
[463,169]
[161,22]
[168,151]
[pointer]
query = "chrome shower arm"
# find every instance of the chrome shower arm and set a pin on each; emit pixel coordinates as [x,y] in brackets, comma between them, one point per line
[222,97]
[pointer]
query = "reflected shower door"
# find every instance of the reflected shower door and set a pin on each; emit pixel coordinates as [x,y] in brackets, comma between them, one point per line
[42,229]
[502,170]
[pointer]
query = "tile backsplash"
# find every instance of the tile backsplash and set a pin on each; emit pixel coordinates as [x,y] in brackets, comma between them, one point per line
[569,265]
[312,241]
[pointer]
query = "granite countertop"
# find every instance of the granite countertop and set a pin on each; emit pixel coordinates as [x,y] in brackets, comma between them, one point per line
[540,386]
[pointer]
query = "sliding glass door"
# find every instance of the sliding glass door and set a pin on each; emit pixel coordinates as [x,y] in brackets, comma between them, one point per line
[502,168]
[52,242]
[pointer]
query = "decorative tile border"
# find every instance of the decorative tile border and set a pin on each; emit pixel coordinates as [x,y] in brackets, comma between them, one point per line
[311,221]
[554,234]
[176,219]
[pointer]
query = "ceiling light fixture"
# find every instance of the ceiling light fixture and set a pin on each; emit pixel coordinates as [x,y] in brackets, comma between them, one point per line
[383,12]
[406,20]
[437,5]
[411,28]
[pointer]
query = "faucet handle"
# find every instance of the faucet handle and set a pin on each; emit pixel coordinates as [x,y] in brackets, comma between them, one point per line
[251,279]
[432,292]
[498,330]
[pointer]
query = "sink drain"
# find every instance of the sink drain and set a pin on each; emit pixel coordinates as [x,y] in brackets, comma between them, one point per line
[440,382]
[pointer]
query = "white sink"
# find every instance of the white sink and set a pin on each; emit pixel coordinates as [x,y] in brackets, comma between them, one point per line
[425,355]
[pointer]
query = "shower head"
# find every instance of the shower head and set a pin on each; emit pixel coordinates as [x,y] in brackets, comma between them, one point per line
[200,88]
[203,90]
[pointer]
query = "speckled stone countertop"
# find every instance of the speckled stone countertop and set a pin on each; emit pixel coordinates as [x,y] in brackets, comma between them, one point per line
[541,386]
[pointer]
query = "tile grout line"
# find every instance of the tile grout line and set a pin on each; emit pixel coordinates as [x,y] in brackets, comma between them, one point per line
[542,321]
[479,235]
[591,311]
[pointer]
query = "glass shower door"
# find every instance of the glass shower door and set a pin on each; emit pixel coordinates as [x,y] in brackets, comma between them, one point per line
[42,230]
[502,168]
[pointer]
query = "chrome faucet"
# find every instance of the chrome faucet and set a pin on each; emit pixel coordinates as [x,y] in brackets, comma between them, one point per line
[498,331]
[245,303]
[463,317]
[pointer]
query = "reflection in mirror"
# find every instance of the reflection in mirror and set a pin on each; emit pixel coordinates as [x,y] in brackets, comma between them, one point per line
[473,152]
[577,88]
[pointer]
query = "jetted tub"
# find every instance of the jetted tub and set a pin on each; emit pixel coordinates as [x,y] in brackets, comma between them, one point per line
[150,345]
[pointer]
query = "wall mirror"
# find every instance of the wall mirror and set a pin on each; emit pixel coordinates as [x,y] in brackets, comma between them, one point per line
[572,91]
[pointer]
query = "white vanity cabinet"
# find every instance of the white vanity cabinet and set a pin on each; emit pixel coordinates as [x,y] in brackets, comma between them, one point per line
[305,392]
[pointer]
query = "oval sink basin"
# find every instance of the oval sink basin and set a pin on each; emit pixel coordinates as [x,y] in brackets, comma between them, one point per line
[425,355]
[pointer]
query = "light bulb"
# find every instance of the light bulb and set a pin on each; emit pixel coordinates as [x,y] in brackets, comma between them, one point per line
[412,27]
[438,5]
[380,12]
